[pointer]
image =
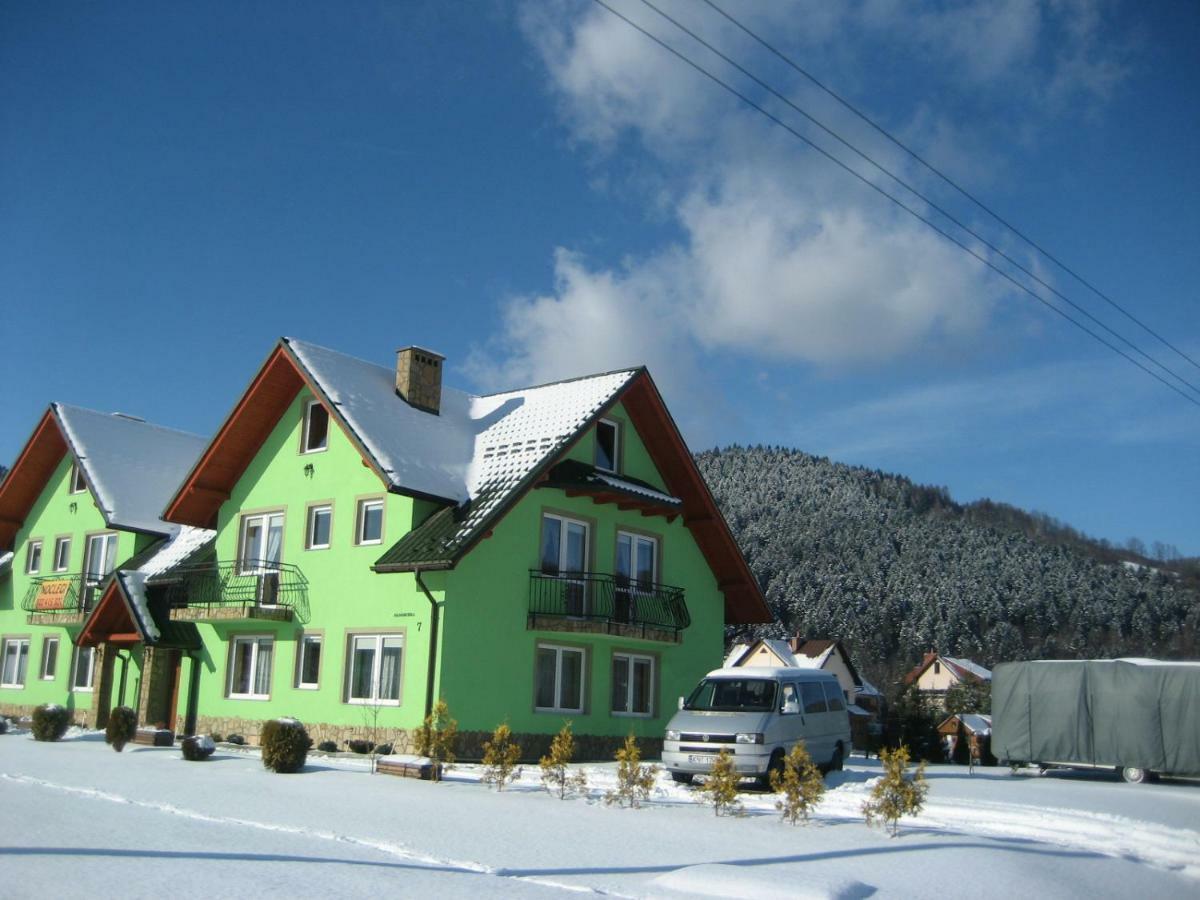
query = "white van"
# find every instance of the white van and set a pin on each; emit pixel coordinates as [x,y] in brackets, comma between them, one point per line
[758,715]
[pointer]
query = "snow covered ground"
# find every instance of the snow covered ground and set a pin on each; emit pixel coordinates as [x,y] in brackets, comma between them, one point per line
[79,818]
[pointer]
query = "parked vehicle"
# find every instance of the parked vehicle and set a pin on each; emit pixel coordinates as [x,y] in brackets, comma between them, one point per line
[1139,717]
[758,715]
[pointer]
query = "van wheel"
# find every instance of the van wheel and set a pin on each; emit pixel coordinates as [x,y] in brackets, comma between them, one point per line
[838,762]
[775,765]
[682,777]
[1135,774]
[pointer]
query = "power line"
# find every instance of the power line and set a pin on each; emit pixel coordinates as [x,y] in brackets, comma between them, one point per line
[913,190]
[952,183]
[983,259]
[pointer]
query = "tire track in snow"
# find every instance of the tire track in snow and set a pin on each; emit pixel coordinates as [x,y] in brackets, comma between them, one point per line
[394,849]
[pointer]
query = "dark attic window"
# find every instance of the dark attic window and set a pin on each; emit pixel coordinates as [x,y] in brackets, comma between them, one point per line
[607,445]
[78,485]
[316,428]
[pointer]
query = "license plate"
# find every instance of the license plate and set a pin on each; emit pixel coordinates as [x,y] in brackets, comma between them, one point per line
[699,758]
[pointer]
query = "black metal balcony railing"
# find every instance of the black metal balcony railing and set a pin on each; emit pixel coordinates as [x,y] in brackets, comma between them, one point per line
[62,594]
[224,587]
[607,598]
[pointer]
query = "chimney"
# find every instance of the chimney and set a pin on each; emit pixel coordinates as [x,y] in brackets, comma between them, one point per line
[419,378]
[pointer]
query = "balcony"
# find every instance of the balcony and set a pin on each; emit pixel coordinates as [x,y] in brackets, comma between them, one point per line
[216,591]
[61,599]
[590,602]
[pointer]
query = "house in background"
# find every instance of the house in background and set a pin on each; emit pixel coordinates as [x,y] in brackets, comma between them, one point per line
[936,674]
[84,495]
[359,540]
[967,736]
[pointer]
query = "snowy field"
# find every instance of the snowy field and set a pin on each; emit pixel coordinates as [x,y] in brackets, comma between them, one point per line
[82,821]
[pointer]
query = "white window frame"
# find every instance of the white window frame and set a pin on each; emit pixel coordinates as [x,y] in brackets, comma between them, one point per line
[47,642]
[634,537]
[251,566]
[20,673]
[630,659]
[360,521]
[308,410]
[307,640]
[559,651]
[616,454]
[105,540]
[376,668]
[33,557]
[254,640]
[76,657]
[62,547]
[78,484]
[309,526]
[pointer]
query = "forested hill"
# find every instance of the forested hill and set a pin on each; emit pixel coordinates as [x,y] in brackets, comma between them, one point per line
[895,568]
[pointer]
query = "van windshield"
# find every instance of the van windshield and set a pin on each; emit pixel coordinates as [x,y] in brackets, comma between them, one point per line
[733,695]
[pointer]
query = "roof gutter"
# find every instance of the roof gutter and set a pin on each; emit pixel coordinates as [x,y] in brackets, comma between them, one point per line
[433,638]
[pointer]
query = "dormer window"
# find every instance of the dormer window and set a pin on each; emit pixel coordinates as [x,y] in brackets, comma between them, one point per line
[608,445]
[316,428]
[78,485]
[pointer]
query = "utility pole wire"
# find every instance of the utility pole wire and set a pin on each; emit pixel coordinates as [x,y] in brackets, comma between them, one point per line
[952,183]
[983,259]
[931,204]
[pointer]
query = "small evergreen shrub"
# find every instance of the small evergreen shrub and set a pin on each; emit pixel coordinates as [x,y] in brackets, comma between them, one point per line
[217,737]
[437,738]
[896,794]
[383,749]
[198,747]
[555,775]
[634,781]
[360,745]
[721,788]
[327,747]
[3,725]
[500,756]
[122,726]
[801,784]
[284,745]
[50,722]
[235,739]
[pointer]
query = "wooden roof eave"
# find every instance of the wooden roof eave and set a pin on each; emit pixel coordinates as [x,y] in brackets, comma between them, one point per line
[25,482]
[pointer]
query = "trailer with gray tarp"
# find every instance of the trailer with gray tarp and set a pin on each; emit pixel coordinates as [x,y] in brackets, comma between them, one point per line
[1136,716]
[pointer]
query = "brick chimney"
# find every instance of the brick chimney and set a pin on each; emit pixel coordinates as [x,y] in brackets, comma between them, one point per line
[419,378]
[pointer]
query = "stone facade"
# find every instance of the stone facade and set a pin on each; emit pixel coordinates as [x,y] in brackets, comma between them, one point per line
[250,729]
[80,717]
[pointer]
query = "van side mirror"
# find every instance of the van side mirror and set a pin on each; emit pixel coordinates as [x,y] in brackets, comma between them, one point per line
[681,703]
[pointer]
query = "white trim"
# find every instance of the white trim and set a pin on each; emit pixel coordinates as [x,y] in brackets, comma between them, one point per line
[254,640]
[630,659]
[376,668]
[305,641]
[77,483]
[32,566]
[90,681]
[47,640]
[360,521]
[559,651]
[305,450]
[616,454]
[309,541]
[66,564]
[19,673]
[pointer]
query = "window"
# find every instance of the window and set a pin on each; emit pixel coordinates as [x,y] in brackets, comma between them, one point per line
[49,658]
[308,663]
[250,668]
[564,555]
[608,445]
[559,679]
[99,560]
[632,684]
[320,525]
[369,528]
[374,675]
[78,485]
[62,554]
[833,695]
[262,543]
[83,669]
[15,661]
[316,428]
[791,700]
[814,697]
[33,557]
[636,570]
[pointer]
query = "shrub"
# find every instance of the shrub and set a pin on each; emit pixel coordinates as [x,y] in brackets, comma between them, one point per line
[500,756]
[3,725]
[721,788]
[437,737]
[554,766]
[801,784]
[634,780]
[360,745]
[284,745]
[235,739]
[327,747]
[50,722]
[198,747]
[383,749]
[896,794]
[122,726]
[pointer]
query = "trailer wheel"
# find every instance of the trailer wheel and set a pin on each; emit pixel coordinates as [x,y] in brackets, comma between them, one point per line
[1135,774]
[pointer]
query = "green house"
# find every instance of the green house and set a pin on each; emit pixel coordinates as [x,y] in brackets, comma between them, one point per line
[358,540]
[85,495]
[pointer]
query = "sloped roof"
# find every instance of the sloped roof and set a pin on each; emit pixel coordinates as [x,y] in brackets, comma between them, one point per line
[131,467]
[962,669]
[815,653]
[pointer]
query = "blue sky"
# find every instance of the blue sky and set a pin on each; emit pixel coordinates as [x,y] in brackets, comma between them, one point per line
[536,191]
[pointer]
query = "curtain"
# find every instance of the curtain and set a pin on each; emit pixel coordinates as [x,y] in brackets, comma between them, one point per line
[262,667]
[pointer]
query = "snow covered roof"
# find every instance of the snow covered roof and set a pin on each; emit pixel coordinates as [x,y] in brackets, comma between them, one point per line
[976,723]
[736,652]
[968,666]
[132,467]
[182,545]
[804,661]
